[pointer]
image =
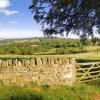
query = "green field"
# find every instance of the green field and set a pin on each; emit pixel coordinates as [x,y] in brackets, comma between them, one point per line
[47,46]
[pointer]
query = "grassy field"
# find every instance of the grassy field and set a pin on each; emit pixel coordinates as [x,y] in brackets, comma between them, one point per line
[91,48]
[47,46]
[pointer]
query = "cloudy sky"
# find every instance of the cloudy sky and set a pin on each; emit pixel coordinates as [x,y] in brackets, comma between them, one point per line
[16,20]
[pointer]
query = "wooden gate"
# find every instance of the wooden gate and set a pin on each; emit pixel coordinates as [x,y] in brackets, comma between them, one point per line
[87,71]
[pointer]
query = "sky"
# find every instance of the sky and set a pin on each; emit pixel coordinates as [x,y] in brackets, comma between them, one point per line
[16,20]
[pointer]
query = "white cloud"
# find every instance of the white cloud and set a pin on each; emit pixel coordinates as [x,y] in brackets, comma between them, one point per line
[3,8]
[4,3]
[8,12]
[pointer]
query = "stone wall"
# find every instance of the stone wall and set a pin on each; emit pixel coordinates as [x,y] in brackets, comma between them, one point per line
[39,70]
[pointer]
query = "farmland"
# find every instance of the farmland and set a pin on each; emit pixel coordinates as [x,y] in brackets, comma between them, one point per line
[47,46]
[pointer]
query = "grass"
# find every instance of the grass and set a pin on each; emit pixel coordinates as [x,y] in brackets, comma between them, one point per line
[76,56]
[89,59]
[95,83]
[76,92]
[91,48]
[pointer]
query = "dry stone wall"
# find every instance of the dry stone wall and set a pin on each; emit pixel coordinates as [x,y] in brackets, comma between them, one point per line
[39,70]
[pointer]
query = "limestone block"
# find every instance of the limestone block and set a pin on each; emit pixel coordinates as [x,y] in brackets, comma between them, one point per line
[65,61]
[56,61]
[27,63]
[10,62]
[38,61]
[52,61]
[4,63]
[60,61]
[72,61]
[34,78]
[49,61]
[14,62]
[32,62]
[44,61]
[19,63]
[23,62]
[0,62]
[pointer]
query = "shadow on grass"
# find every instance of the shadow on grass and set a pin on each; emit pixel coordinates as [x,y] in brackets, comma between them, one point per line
[87,60]
[25,97]
[94,83]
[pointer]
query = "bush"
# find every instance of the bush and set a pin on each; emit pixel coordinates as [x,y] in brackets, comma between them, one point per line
[98,50]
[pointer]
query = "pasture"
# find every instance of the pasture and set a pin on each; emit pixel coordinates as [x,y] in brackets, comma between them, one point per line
[47,46]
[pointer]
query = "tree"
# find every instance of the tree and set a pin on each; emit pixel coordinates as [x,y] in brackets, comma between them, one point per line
[64,16]
[94,40]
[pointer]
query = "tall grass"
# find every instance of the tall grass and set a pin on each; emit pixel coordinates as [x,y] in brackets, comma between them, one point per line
[76,92]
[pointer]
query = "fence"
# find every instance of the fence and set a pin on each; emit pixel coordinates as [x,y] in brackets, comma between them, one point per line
[86,72]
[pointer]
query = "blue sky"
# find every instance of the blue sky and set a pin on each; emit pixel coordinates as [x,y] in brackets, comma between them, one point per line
[16,20]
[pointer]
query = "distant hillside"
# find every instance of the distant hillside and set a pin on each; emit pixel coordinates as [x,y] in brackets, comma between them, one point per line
[31,46]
